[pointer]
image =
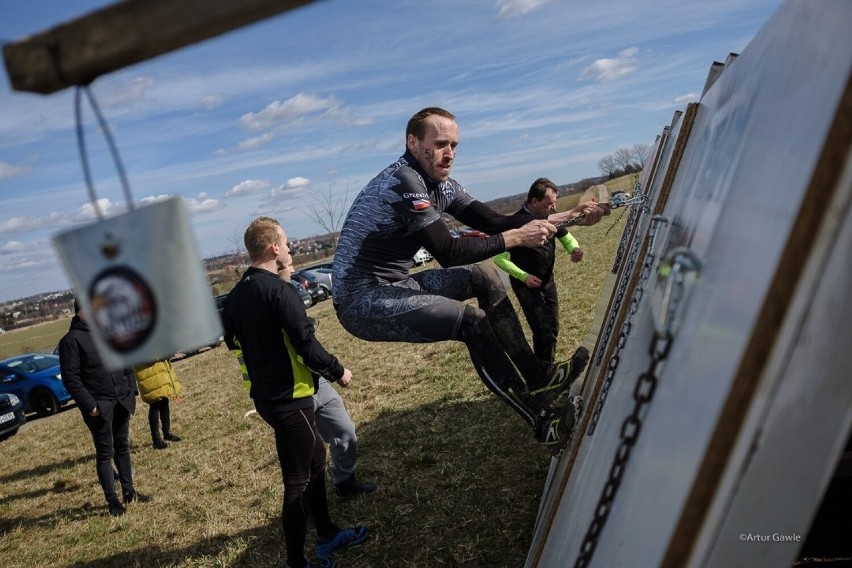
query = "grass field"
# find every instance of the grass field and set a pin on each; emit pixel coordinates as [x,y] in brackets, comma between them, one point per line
[33,339]
[459,473]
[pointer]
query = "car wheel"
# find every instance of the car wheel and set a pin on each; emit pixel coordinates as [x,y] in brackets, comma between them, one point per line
[43,403]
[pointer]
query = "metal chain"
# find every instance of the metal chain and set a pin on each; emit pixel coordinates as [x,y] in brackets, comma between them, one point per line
[630,263]
[634,215]
[643,394]
[619,297]
[626,327]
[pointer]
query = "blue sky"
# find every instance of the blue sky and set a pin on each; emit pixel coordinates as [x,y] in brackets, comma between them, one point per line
[262,120]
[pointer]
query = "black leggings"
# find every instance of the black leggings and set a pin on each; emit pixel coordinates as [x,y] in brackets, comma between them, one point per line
[301,454]
[158,412]
[430,306]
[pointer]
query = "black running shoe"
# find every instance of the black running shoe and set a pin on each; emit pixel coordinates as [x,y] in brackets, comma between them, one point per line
[556,424]
[563,375]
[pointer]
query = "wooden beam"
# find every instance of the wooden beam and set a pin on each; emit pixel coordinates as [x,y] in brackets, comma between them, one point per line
[122,34]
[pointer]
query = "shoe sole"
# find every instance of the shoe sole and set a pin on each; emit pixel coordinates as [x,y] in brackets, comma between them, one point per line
[581,355]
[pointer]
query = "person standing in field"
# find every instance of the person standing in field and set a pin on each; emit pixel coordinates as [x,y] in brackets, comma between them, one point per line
[264,317]
[531,272]
[107,400]
[158,382]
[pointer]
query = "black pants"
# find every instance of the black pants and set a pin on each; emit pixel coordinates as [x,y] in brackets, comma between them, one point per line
[541,308]
[301,453]
[111,435]
[158,412]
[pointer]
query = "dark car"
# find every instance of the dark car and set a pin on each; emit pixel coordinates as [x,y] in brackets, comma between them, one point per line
[35,379]
[219,301]
[317,292]
[303,294]
[316,275]
[12,415]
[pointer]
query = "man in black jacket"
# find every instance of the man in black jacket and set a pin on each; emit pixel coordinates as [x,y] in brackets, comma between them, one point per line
[531,272]
[264,317]
[106,399]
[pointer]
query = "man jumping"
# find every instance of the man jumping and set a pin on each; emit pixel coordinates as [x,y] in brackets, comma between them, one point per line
[376,298]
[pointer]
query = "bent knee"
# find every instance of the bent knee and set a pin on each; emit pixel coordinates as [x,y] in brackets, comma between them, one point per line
[471,321]
[485,275]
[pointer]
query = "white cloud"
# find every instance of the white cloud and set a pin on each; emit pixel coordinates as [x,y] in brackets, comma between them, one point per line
[511,8]
[297,182]
[108,208]
[25,224]
[294,188]
[14,247]
[603,70]
[687,98]
[15,225]
[247,187]
[8,171]
[210,102]
[256,142]
[289,112]
[201,204]
[129,94]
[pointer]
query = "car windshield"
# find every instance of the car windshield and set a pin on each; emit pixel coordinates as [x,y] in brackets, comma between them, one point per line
[33,364]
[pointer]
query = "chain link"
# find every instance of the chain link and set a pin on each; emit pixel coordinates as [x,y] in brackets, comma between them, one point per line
[631,219]
[634,216]
[626,327]
[643,394]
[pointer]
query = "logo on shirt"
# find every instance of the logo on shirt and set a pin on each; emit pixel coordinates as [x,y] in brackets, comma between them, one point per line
[421,204]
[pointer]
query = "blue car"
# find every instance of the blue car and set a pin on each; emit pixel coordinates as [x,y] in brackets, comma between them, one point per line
[35,379]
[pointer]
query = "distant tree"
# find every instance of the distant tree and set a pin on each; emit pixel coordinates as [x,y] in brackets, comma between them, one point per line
[607,165]
[622,158]
[639,153]
[328,212]
[238,248]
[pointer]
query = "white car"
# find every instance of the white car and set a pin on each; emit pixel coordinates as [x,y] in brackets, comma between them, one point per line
[421,257]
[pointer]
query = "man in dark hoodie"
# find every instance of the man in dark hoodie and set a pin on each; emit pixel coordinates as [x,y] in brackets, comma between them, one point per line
[107,400]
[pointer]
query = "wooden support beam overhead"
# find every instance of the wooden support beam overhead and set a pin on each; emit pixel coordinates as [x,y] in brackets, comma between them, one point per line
[122,34]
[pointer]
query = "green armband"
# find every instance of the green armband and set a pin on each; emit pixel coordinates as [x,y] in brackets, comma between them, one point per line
[569,242]
[502,261]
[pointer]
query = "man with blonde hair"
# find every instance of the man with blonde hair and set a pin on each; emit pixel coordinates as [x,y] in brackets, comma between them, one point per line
[264,317]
